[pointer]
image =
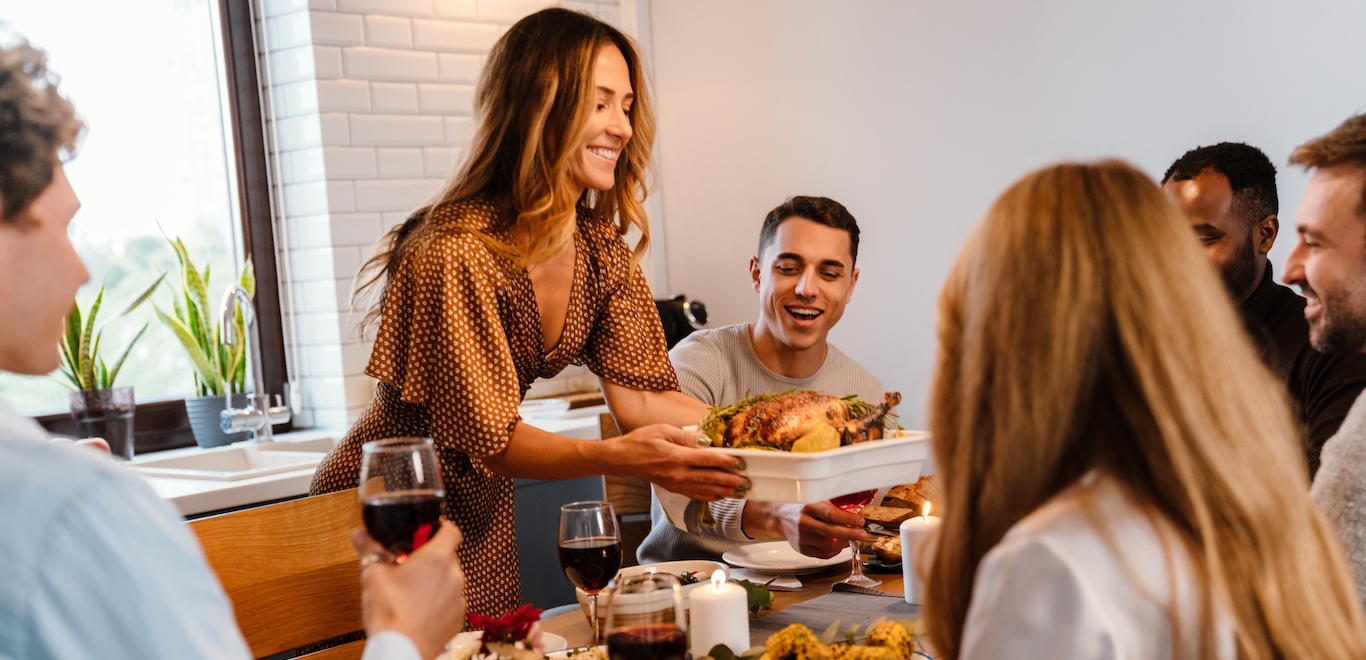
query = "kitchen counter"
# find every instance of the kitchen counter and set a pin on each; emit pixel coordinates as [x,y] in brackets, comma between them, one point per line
[194,497]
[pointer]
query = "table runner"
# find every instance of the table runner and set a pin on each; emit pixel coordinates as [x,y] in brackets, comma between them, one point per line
[818,613]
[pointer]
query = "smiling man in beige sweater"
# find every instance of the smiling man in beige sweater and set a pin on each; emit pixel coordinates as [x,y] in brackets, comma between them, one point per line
[804,273]
[1329,265]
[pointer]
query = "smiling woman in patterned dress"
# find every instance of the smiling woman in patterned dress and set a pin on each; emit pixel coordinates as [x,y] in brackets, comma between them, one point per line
[517,270]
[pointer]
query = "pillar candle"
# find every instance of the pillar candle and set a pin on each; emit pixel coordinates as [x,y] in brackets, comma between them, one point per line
[719,615]
[913,531]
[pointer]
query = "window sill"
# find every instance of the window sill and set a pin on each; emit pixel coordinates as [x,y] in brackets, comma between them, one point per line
[157,426]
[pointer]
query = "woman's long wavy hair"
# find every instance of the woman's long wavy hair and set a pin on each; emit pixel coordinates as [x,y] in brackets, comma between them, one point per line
[1081,328]
[534,98]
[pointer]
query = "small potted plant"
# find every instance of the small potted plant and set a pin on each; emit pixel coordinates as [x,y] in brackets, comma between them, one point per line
[99,409]
[218,370]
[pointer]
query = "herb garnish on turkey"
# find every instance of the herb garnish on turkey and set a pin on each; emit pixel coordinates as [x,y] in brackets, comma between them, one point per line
[798,421]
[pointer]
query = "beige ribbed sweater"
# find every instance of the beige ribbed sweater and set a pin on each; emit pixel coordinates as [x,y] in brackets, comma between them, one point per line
[1340,489]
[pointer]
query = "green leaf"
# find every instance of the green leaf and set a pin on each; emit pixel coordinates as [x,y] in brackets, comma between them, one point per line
[721,652]
[829,635]
[118,364]
[248,279]
[62,382]
[84,354]
[73,335]
[101,374]
[142,298]
[209,382]
[69,367]
[196,286]
[759,596]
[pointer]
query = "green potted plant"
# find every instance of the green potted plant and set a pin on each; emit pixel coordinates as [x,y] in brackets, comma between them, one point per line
[99,409]
[218,370]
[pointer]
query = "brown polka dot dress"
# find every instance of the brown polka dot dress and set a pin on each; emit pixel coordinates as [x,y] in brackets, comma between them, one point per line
[459,344]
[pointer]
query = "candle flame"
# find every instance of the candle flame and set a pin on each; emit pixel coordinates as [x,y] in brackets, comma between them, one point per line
[925,511]
[718,578]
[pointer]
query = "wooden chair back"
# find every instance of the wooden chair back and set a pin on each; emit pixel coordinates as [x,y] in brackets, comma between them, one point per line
[291,572]
[630,498]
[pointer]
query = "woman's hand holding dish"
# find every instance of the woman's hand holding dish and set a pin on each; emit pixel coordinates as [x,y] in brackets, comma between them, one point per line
[669,457]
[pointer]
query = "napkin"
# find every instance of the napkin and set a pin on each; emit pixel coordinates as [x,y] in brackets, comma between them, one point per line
[780,582]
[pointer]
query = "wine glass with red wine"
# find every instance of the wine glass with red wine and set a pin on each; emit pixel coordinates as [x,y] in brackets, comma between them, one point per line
[590,550]
[645,619]
[401,496]
[854,503]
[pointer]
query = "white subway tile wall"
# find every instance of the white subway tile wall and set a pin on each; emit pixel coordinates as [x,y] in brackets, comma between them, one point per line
[371,109]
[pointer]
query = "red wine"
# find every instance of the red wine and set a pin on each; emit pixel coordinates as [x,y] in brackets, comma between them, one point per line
[590,563]
[402,521]
[854,502]
[647,643]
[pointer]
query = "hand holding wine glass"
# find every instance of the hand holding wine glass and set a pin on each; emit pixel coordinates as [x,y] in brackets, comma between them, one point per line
[590,550]
[401,493]
[854,503]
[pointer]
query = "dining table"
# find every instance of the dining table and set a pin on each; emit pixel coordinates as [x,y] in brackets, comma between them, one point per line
[818,603]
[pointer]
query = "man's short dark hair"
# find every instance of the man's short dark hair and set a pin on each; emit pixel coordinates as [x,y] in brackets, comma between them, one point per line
[1343,146]
[37,127]
[1250,175]
[820,210]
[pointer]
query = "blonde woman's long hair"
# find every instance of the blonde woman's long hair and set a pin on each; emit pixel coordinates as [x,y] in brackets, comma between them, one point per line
[532,102]
[1081,328]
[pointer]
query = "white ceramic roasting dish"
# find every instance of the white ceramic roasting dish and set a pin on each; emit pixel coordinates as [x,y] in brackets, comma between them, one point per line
[780,476]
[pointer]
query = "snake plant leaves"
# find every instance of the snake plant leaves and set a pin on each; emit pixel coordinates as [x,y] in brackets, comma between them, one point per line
[208,378]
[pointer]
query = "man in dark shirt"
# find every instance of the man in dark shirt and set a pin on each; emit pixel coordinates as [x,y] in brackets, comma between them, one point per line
[1228,191]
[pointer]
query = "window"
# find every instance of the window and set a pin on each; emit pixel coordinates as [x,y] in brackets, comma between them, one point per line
[173,149]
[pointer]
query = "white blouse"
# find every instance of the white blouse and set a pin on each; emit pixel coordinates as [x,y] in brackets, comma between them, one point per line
[1086,576]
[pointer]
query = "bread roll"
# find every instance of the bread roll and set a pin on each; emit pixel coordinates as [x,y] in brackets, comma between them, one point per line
[889,517]
[888,549]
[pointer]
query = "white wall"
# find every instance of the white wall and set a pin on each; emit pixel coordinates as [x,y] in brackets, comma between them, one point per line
[917,113]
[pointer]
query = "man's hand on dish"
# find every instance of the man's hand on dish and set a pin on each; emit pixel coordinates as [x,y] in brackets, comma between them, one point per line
[668,456]
[423,598]
[819,530]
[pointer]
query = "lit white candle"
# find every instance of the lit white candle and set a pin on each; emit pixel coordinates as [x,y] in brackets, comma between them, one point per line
[720,615]
[913,532]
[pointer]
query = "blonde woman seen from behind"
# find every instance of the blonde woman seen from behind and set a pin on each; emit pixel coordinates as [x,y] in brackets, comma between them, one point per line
[1122,474]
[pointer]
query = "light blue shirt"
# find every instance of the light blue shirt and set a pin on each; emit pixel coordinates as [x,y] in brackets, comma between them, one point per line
[94,565]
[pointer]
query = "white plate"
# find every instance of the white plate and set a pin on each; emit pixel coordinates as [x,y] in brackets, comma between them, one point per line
[778,557]
[563,655]
[780,476]
[553,643]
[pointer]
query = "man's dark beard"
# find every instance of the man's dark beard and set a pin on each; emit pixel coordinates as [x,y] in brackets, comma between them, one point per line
[1241,272]
[1337,328]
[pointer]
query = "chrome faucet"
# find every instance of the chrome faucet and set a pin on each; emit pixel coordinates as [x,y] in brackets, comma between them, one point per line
[259,415]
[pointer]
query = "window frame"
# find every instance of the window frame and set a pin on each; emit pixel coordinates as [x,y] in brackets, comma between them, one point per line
[164,424]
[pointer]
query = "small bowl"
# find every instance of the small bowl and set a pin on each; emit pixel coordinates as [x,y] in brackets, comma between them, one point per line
[702,567]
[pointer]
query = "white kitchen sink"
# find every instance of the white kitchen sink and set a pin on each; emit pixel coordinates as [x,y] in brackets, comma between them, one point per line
[322,445]
[230,463]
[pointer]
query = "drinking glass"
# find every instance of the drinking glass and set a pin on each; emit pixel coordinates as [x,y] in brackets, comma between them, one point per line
[400,493]
[645,619]
[590,550]
[854,503]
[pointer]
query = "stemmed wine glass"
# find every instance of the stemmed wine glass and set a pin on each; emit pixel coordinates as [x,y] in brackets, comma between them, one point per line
[401,494]
[590,550]
[854,503]
[645,619]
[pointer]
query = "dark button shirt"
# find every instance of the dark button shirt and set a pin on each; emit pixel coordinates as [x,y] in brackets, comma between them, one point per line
[1322,386]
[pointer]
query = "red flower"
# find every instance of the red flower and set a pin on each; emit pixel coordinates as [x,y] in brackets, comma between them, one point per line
[510,628]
